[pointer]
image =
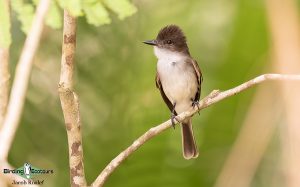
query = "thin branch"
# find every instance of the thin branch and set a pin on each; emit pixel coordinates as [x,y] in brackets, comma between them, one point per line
[70,103]
[22,75]
[12,177]
[212,98]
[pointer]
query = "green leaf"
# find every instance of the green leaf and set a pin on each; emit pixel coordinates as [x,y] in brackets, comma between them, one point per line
[5,36]
[95,12]
[25,12]
[54,17]
[35,2]
[121,7]
[73,6]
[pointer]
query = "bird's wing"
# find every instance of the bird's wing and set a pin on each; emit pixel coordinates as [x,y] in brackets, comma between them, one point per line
[199,77]
[165,98]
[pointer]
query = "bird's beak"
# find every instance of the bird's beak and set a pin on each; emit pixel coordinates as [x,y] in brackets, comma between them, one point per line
[150,42]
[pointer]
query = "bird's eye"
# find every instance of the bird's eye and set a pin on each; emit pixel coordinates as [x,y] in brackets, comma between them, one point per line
[169,41]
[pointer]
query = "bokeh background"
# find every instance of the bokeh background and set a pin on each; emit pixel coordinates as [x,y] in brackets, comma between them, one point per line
[119,101]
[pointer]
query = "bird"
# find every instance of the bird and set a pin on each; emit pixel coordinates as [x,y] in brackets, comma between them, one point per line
[179,79]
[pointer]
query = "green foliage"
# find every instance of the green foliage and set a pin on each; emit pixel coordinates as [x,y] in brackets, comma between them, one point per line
[5,37]
[122,7]
[95,11]
[73,6]
[97,14]
[54,17]
[24,12]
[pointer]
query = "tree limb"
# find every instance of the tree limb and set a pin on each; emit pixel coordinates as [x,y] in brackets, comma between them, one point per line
[214,97]
[22,75]
[70,103]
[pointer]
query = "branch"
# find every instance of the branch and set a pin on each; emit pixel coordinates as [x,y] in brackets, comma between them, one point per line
[22,75]
[70,103]
[214,97]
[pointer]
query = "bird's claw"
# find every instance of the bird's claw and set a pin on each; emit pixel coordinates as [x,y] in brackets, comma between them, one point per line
[173,118]
[196,103]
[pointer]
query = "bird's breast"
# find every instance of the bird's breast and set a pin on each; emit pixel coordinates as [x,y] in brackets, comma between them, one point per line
[178,81]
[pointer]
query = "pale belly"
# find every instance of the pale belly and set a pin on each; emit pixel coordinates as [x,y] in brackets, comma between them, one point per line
[179,83]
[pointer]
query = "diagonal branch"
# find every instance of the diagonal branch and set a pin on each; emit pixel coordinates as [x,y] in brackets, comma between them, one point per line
[211,99]
[70,103]
[22,75]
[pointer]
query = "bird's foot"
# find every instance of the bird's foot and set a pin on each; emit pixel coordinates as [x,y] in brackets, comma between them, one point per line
[173,120]
[196,103]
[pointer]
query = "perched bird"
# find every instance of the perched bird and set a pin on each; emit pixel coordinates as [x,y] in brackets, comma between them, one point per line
[179,80]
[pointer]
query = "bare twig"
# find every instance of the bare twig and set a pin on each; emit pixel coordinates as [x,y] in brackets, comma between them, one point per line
[70,103]
[12,177]
[19,87]
[213,97]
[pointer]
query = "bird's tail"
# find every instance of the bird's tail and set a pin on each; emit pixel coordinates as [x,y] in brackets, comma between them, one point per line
[189,146]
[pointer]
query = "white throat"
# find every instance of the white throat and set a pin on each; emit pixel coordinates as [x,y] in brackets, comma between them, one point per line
[168,55]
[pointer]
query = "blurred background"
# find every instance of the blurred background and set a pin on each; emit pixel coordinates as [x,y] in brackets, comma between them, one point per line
[239,138]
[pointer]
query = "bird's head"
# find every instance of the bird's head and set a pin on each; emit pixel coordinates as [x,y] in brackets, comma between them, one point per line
[171,38]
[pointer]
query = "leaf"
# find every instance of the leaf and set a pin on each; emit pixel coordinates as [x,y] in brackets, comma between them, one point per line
[5,36]
[95,12]
[54,17]
[73,6]
[121,7]
[25,12]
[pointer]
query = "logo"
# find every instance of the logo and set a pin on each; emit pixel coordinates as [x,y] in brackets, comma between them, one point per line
[29,173]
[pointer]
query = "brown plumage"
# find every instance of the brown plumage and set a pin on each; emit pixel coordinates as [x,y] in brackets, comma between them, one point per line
[173,33]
